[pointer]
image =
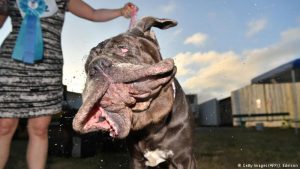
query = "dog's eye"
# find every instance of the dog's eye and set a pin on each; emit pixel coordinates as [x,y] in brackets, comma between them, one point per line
[121,46]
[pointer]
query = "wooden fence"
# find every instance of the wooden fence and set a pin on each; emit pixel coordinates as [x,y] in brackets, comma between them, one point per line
[266,102]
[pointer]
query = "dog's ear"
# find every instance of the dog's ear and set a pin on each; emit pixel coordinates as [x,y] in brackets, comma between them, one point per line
[143,31]
[146,23]
[154,99]
[156,110]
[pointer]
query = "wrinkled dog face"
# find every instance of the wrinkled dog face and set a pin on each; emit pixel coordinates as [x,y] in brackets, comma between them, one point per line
[125,74]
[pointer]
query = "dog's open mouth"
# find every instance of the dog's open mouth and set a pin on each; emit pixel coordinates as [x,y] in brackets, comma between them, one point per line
[101,115]
[99,119]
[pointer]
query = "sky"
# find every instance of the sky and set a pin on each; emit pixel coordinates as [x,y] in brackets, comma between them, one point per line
[218,45]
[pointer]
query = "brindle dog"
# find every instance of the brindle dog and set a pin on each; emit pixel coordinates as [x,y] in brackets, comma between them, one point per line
[131,92]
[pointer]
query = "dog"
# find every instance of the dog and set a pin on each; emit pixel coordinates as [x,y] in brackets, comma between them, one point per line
[131,92]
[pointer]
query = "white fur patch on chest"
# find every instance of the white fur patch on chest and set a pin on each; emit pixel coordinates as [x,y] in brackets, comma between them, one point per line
[157,156]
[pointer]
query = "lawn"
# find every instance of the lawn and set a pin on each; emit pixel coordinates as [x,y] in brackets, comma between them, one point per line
[215,148]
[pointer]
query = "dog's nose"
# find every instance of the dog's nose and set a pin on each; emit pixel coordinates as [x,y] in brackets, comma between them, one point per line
[104,63]
[99,65]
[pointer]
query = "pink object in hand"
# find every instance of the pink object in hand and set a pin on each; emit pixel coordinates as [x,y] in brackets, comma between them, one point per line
[133,19]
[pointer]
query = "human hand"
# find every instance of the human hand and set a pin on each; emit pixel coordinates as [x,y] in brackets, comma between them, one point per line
[128,10]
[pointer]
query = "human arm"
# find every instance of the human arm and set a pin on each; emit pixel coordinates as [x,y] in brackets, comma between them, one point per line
[3,12]
[2,20]
[83,10]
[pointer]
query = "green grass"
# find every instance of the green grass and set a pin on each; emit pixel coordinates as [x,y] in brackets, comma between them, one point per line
[225,148]
[215,148]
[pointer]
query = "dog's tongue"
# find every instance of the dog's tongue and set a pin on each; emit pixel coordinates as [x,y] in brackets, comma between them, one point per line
[94,120]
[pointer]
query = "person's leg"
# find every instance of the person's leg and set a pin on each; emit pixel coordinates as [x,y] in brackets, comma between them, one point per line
[7,129]
[37,149]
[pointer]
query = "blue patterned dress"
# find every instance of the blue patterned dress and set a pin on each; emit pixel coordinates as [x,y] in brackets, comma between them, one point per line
[31,90]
